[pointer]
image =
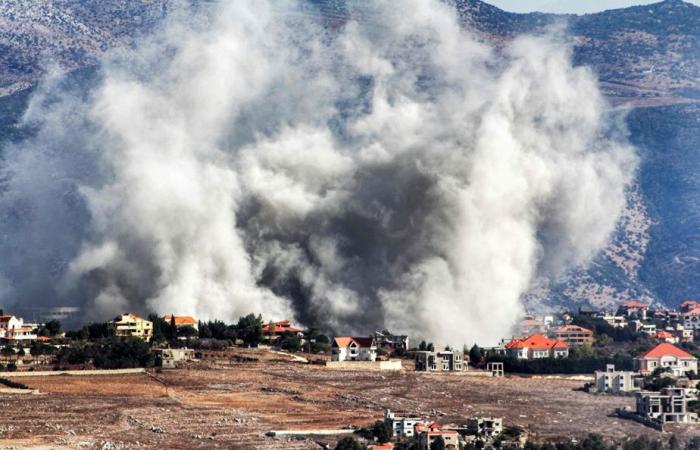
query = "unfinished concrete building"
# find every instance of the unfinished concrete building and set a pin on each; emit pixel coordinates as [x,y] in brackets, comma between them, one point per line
[670,405]
[441,361]
[615,381]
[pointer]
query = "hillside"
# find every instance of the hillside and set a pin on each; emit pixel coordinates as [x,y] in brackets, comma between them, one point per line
[647,59]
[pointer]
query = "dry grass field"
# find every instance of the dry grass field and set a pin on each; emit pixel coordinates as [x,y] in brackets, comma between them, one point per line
[234,405]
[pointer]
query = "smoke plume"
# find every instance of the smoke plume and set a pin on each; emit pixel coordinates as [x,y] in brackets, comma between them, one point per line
[391,170]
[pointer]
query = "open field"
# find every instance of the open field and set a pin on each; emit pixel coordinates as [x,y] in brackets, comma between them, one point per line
[234,406]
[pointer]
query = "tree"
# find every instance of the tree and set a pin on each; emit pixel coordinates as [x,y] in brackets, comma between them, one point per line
[423,346]
[204,331]
[187,331]
[290,341]
[382,431]
[475,354]
[249,329]
[348,443]
[437,444]
[53,327]
[7,350]
[430,347]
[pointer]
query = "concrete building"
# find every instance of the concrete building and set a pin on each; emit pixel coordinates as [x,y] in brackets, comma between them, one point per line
[390,341]
[537,346]
[441,361]
[168,358]
[691,319]
[667,356]
[401,426]
[8,323]
[670,405]
[633,308]
[616,321]
[573,335]
[131,325]
[487,427]
[666,336]
[351,348]
[614,381]
[427,434]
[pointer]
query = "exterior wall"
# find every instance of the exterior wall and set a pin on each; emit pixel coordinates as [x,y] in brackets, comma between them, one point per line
[575,337]
[668,406]
[691,321]
[132,326]
[364,365]
[678,366]
[451,439]
[446,361]
[614,381]
[401,426]
[485,426]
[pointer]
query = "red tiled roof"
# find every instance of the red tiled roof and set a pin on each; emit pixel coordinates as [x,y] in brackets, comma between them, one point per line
[386,446]
[5,318]
[281,327]
[634,304]
[693,312]
[688,304]
[663,335]
[666,349]
[181,320]
[536,342]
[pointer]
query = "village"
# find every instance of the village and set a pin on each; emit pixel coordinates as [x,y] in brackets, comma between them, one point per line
[644,358]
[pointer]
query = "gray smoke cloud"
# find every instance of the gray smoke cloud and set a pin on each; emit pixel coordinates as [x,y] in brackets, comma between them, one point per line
[390,171]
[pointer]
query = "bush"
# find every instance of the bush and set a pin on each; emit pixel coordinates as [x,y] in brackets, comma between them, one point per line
[348,443]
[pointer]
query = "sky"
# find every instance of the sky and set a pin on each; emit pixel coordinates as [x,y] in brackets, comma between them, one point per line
[568,6]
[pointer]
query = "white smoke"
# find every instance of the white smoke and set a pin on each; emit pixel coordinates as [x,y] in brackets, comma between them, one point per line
[393,171]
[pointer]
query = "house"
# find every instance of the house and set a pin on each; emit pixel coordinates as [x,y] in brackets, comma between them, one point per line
[689,305]
[168,358]
[691,319]
[670,405]
[441,361]
[537,346]
[643,327]
[276,329]
[393,342]
[666,336]
[8,323]
[426,434]
[487,427]
[401,426]
[614,381]
[131,325]
[573,335]
[667,356]
[183,321]
[20,334]
[633,308]
[531,325]
[350,348]
[616,321]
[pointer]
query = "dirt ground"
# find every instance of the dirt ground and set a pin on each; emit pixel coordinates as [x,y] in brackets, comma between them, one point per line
[233,405]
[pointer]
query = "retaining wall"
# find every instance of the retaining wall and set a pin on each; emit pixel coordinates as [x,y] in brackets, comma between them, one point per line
[71,372]
[364,365]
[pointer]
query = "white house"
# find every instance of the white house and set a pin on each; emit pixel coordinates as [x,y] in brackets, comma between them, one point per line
[401,426]
[667,356]
[9,322]
[691,319]
[350,348]
[537,346]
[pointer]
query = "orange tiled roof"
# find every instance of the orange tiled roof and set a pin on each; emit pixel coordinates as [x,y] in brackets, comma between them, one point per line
[634,304]
[536,342]
[281,327]
[663,335]
[345,341]
[181,320]
[666,349]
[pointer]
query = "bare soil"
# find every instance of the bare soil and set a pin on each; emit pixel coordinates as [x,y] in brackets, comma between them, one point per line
[232,404]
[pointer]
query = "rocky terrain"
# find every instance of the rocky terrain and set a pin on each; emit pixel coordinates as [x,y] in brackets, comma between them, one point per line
[647,59]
